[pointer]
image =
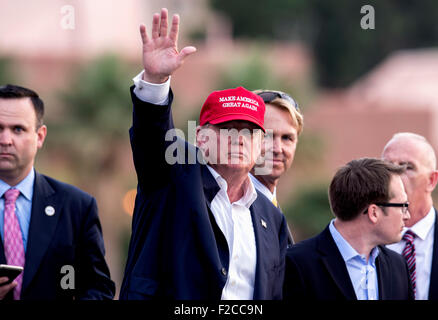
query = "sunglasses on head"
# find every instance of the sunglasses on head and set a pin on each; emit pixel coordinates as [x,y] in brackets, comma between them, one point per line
[269,96]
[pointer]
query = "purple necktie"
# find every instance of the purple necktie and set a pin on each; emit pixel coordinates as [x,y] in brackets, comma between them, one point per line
[13,241]
[409,254]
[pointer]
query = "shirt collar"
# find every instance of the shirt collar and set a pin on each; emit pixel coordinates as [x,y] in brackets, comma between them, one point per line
[346,250]
[250,194]
[262,188]
[25,186]
[423,227]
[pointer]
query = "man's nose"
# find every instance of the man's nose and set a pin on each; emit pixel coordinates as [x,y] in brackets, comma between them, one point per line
[237,138]
[276,145]
[407,215]
[5,137]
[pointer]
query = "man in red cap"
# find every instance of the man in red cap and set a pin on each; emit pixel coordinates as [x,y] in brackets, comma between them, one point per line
[200,230]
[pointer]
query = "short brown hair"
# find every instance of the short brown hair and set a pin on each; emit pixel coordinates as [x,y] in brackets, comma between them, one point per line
[360,183]
[10,91]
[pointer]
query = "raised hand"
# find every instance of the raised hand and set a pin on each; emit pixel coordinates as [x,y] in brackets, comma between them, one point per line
[160,51]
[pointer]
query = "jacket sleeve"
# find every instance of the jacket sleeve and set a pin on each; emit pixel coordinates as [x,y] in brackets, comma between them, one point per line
[93,276]
[151,123]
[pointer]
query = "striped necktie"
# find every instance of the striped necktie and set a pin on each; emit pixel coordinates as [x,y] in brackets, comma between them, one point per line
[409,254]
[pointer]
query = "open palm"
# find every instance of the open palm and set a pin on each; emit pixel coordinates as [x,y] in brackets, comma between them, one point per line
[160,51]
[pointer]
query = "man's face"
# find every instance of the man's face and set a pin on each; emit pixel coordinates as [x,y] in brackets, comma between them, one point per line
[19,138]
[416,179]
[234,144]
[392,219]
[281,141]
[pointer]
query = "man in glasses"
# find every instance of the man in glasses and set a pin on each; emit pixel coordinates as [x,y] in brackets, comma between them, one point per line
[284,123]
[347,260]
[420,237]
[200,230]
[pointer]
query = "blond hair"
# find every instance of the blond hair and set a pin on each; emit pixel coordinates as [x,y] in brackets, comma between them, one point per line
[297,116]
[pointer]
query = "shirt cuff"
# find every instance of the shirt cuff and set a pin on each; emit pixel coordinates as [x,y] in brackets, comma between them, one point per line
[154,93]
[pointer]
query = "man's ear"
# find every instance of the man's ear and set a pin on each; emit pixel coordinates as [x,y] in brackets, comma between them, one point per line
[202,139]
[41,135]
[432,180]
[373,213]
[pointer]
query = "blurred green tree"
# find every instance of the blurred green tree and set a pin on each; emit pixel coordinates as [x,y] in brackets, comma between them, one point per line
[6,74]
[97,113]
[342,49]
[308,212]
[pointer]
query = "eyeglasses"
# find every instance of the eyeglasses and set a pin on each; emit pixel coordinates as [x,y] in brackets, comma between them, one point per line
[404,205]
[269,96]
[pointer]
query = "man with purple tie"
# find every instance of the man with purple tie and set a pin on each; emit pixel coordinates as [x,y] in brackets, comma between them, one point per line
[46,226]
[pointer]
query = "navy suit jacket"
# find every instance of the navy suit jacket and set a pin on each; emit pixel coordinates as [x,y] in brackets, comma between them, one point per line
[72,236]
[315,270]
[433,286]
[177,251]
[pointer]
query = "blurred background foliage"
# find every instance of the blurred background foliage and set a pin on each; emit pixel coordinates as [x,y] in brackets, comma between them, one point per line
[309,212]
[7,75]
[343,52]
[97,113]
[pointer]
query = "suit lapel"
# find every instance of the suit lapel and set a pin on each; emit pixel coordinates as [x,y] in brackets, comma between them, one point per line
[211,188]
[333,261]
[262,249]
[383,275]
[433,286]
[42,226]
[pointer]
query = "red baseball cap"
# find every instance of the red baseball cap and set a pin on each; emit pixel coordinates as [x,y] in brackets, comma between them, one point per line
[233,104]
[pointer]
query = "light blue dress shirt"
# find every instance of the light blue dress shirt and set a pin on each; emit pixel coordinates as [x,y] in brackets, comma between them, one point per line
[363,274]
[23,204]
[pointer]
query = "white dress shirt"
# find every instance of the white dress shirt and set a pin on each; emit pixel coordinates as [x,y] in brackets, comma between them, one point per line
[423,242]
[263,189]
[151,92]
[234,219]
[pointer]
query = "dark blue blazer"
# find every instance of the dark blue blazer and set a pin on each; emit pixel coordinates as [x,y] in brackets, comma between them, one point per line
[72,236]
[433,286]
[177,251]
[315,270]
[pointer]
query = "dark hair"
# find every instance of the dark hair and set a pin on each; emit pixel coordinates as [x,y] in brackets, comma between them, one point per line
[360,183]
[10,91]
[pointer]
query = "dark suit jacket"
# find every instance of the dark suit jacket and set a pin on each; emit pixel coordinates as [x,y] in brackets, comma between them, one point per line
[315,270]
[72,236]
[433,286]
[177,251]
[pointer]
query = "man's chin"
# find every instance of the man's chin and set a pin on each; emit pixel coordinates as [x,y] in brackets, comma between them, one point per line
[6,166]
[272,170]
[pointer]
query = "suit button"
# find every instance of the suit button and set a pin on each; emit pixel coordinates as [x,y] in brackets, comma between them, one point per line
[224,272]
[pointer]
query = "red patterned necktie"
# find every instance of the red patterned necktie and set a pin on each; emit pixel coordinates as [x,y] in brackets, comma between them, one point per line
[13,241]
[409,254]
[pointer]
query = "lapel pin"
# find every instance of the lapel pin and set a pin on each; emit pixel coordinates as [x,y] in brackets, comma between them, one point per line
[49,210]
[263,223]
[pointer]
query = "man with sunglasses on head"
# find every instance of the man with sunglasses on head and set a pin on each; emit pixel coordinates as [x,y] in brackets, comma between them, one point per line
[348,260]
[420,237]
[200,230]
[284,123]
